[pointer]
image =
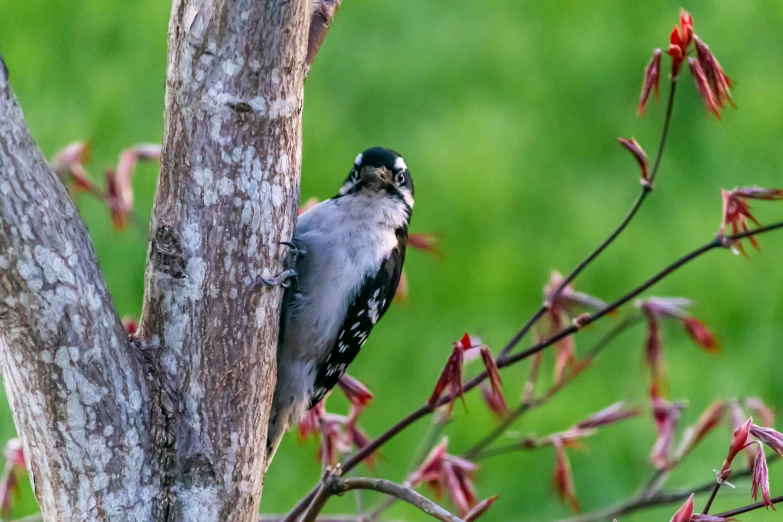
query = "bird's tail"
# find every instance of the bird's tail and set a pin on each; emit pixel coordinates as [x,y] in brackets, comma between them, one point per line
[275,431]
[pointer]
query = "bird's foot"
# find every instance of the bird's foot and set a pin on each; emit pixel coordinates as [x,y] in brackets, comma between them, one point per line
[287,277]
[296,251]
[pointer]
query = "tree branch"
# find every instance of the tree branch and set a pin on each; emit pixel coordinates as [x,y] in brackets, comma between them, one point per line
[227,195]
[749,507]
[644,501]
[423,411]
[320,22]
[334,485]
[325,518]
[645,191]
[75,385]
[713,494]
[531,404]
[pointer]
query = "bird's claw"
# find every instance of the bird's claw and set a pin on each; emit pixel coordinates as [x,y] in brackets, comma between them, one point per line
[284,279]
[296,251]
[288,277]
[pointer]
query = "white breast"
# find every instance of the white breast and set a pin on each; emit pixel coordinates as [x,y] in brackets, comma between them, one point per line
[345,240]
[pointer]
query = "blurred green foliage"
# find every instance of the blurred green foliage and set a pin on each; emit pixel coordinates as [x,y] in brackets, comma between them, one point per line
[506,113]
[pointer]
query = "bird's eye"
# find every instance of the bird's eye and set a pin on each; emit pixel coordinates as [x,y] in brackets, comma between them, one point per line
[355,174]
[399,178]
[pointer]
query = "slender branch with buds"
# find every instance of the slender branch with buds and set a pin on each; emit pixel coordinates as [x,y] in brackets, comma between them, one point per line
[182,315]
[423,411]
[713,85]
[334,485]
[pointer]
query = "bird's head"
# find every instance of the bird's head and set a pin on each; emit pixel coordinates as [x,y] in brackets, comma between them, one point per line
[379,171]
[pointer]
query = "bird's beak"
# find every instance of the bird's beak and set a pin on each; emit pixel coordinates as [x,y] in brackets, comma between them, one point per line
[371,176]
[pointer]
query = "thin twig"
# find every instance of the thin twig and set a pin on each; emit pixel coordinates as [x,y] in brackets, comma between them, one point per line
[502,450]
[334,485]
[328,518]
[425,410]
[645,191]
[499,430]
[637,504]
[656,499]
[535,403]
[654,483]
[667,119]
[710,500]
[424,450]
[749,507]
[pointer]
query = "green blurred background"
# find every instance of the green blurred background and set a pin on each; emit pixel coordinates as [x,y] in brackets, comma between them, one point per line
[507,114]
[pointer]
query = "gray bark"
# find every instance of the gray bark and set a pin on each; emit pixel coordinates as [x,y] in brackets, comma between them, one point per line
[171,427]
[227,195]
[75,385]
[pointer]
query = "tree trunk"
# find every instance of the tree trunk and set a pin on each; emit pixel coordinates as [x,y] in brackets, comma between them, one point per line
[75,384]
[227,195]
[173,426]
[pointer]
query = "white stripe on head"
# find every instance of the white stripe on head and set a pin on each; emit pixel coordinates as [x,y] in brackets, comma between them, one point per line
[399,164]
[406,196]
[358,160]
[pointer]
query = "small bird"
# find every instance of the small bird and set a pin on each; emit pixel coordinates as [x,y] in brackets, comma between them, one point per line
[347,256]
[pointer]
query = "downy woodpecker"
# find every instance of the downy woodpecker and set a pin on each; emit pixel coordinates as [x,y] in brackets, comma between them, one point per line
[351,249]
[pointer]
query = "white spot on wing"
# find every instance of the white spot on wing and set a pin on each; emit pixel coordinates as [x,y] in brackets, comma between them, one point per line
[373,310]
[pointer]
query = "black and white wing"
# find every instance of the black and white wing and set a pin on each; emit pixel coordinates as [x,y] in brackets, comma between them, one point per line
[369,305]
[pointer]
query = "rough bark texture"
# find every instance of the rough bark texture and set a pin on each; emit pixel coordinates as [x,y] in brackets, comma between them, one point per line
[74,381]
[227,195]
[323,15]
[171,426]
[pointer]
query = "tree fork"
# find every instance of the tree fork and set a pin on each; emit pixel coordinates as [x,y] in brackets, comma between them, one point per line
[171,426]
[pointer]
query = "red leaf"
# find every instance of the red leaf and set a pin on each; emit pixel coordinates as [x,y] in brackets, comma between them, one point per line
[130,324]
[494,375]
[761,478]
[311,424]
[685,513]
[653,353]
[736,211]
[479,509]
[450,377]
[686,29]
[739,441]
[666,415]
[426,243]
[9,484]
[401,294]
[720,84]
[357,393]
[652,79]
[441,471]
[700,334]
[609,415]
[638,152]
[770,437]
[119,193]
[307,205]
[707,422]
[766,414]
[703,86]
[563,478]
